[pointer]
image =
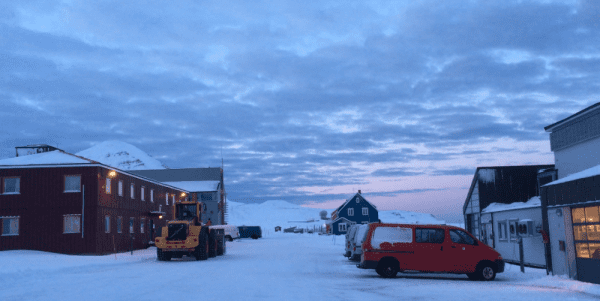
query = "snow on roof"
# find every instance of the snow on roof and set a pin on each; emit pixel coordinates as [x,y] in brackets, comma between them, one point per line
[497,207]
[53,157]
[195,186]
[590,172]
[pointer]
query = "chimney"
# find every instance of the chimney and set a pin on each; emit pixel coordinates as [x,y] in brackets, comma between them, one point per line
[359,191]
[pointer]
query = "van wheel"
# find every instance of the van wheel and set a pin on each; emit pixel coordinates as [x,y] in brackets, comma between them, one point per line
[485,272]
[388,269]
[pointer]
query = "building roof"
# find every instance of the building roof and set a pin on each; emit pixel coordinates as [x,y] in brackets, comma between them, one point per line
[53,157]
[576,115]
[196,186]
[349,199]
[500,184]
[496,207]
[590,172]
[181,174]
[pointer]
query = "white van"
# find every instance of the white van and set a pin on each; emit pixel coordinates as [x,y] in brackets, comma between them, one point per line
[231,231]
[356,243]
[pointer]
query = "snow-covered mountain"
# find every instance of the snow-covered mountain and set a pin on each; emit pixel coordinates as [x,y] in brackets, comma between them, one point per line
[281,213]
[121,155]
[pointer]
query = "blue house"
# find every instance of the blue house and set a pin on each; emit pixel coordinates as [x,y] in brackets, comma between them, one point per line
[356,210]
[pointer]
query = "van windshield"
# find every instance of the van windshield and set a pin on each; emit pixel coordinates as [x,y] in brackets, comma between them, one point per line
[391,235]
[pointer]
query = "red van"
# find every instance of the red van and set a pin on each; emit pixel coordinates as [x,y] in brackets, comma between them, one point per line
[392,248]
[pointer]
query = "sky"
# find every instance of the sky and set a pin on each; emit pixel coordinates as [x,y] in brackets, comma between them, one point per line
[304,102]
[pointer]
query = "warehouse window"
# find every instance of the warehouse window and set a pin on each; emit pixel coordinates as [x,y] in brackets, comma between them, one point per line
[10,225]
[107,224]
[173,199]
[142,225]
[12,185]
[131,222]
[120,188]
[119,224]
[142,193]
[73,183]
[132,190]
[151,195]
[107,188]
[167,198]
[586,231]
[72,223]
[502,230]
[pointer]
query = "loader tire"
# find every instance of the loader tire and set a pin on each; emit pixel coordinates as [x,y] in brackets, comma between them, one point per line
[201,251]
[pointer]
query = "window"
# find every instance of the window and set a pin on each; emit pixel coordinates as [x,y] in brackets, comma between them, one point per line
[132,190]
[512,229]
[73,183]
[342,227]
[391,235]
[461,237]
[502,230]
[586,231]
[107,188]
[365,211]
[151,195]
[131,222]
[167,198]
[119,224]
[435,236]
[142,225]
[120,188]
[357,199]
[72,223]
[206,197]
[107,224]
[350,211]
[10,225]
[142,193]
[173,199]
[12,185]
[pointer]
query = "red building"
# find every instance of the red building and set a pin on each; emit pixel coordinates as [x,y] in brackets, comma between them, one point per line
[58,202]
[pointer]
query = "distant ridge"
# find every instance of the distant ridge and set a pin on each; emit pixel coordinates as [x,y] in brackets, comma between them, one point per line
[121,155]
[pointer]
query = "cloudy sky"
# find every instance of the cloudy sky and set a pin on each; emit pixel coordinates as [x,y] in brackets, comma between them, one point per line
[306,102]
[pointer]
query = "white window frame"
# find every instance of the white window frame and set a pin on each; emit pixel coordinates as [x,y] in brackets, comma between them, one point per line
[65,184]
[365,211]
[107,224]
[12,230]
[131,225]
[132,191]
[151,195]
[120,188]
[142,190]
[17,186]
[342,227]
[142,225]
[357,199]
[513,236]
[173,198]
[350,211]
[502,230]
[167,198]
[107,188]
[71,223]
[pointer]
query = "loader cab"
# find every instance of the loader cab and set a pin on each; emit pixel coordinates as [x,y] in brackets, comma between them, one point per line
[188,211]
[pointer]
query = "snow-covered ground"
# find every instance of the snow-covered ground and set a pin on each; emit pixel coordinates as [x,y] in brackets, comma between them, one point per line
[280,266]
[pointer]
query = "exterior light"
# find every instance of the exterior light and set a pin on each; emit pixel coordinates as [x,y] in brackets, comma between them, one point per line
[182,194]
[112,173]
[160,216]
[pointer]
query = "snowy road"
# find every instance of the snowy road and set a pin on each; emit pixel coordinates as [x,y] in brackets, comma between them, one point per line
[277,267]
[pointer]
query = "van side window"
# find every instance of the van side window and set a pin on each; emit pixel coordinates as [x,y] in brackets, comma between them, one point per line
[391,235]
[460,237]
[435,236]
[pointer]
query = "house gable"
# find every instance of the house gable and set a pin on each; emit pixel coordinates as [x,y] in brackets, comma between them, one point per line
[356,208]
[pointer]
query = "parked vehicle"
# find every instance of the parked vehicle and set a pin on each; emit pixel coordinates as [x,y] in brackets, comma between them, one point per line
[231,232]
[349,237]
[187,235]
[254,232]
[356,243]
[393,248]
